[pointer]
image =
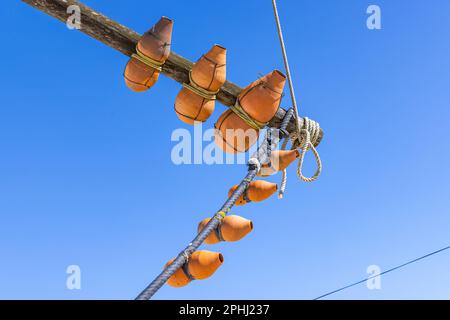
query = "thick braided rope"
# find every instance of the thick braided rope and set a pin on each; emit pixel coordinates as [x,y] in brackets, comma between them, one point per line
[311,131]
[309,134]
[284,173]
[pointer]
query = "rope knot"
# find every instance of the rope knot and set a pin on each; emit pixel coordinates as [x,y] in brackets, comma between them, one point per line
[254,163]
[306,140]
[309,133]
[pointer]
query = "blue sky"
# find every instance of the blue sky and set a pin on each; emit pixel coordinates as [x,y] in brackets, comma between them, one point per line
[86,176]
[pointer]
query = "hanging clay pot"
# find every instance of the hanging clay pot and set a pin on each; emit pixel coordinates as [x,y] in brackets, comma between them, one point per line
[207,76]
[191,107]
[232,134]
[279,160]
[259,102]
[154,45]
[179,278]
[261,99]
[231,228]
[201,265]
[209,72]
[258,190]
[138,76]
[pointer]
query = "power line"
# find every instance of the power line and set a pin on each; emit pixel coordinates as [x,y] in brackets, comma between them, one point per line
[382,273]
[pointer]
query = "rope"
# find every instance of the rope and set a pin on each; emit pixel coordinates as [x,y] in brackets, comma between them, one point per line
[185,267]
[155,64]
[240,112]
[286,65]
[254,165]
[284,134]
[310,136]
[202,92]
[307,136]
[382,273]
[284,174]
[255,162]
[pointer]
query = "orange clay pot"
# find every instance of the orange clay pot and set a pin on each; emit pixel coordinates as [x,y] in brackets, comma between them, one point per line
[232,228]
[258,190]
[261,99]
[209,73]
[138,76]
[202,264]
[179,278]
[279,160]
[154,44]
[232,134]
[190,107]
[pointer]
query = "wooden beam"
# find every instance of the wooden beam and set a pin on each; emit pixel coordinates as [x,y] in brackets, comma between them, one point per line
[124,40]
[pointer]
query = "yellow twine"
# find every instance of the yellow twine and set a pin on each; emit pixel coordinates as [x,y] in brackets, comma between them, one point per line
[147,60]
[202,92]
[240,112]
[223,214]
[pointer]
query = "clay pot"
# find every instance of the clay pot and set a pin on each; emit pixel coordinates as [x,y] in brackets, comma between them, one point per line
[279,160]
[232,228]
[261,99]
[154,44]
[209,73]
[202,264]
[232,134]
[191,107]
[138,76]
[179,278]
[258,190]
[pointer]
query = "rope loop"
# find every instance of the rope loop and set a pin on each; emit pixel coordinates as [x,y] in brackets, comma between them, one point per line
[185,266]
[185,255]
[309,135]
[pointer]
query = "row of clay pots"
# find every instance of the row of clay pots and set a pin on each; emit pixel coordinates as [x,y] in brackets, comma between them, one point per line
[202,264]
[260,100]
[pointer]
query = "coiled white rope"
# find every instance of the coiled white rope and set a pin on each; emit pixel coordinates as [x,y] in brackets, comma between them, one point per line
[309,135]
[304,138]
